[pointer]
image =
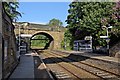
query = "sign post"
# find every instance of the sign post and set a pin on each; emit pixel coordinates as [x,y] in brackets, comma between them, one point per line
[107,40]
[106,37]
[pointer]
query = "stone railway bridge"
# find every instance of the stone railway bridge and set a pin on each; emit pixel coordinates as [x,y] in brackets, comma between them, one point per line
[55,35]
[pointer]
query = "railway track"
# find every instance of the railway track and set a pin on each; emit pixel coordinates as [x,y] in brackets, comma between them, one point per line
[99,73]
[57,70]
[92,69]
[74,73]
[113,68]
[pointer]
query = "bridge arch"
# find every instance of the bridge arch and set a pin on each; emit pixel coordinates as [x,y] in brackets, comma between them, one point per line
[50,44]
[33,29]
[40,32]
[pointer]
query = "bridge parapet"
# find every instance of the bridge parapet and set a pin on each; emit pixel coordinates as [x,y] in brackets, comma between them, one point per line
[57,35]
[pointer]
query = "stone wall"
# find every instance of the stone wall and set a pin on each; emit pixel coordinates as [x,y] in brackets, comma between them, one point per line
[58,36]
[1,40]
[115,50]
[9,58]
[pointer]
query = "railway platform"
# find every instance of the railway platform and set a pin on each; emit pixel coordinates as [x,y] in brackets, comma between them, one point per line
[94,55]
[30,67]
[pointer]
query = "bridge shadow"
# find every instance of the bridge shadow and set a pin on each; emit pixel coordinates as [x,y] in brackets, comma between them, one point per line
[69,58]
[40,70]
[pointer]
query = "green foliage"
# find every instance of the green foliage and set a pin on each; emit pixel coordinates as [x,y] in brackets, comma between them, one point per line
[11,9]
[55,23]
[87,19]
[115,21]
[68,40]
[39,43]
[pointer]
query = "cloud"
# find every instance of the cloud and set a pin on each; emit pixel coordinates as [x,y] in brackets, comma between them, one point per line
[39,22]
[35,22]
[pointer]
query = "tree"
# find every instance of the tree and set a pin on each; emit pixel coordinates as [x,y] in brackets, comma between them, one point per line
[115,22]
[11,9]
[55,23]
[85,18]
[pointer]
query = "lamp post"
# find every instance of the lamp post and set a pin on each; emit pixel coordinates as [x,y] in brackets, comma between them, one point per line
[107,40]
[107,37]
[20,36]
[64,44]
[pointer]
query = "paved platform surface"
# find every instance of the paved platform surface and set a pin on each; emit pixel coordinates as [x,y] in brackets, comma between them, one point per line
[30,67]
[94,55]
[25,69]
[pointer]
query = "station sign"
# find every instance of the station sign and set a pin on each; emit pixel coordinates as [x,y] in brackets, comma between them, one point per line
[104,37]
[88,38]
[26,35]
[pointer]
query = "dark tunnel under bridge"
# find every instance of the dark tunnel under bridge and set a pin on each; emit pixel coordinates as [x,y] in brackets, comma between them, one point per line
[41,41]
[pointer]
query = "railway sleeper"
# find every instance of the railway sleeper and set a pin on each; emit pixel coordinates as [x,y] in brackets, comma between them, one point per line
[103,74]
[95,71]
[61,75]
